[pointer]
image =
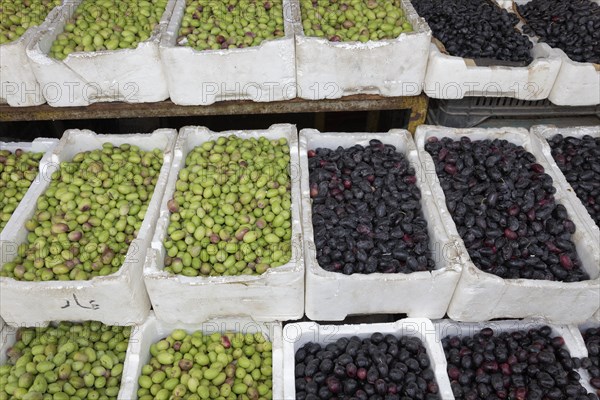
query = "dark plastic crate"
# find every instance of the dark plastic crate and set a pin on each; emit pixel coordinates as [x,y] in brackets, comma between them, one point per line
[472,111]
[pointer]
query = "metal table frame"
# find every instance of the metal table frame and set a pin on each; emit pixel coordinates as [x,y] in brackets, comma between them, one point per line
[417,104]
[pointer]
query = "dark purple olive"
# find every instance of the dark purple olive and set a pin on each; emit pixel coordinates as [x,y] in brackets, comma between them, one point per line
[537,168]
[351,370]
[450,169]
[361,374]
[334,385]
[453,373]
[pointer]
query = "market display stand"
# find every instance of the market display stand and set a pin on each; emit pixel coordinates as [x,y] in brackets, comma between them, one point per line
[416,104]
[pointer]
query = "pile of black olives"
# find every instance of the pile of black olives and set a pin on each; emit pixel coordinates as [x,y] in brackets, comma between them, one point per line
[366,211]
[592,363]
[377,368]
[579,161]
[572,26]
[475,29]
[520,365]
[504,208]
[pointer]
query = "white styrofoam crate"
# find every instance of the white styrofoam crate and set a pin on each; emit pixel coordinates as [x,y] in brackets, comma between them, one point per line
[261,73]
[331,296]
[18,85]
[577,84]
[129,75]
[480,296]
[450,77]
[392,67]
[39,145]
[546,132]
[278,294]
[153,330]
[298,334]
[573,344]
[121,297]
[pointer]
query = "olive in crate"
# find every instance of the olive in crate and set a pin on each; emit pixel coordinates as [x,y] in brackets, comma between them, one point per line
[108,25]
[491,30]
[231,210]
[522,365]
[504,207]
[88,216]
[355,20]
[367,215]
[65,361]
[591,337]
[211,25]
[198,366]
[572,26]
[381,366]
[579,161]
[18,170]
[20,15]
